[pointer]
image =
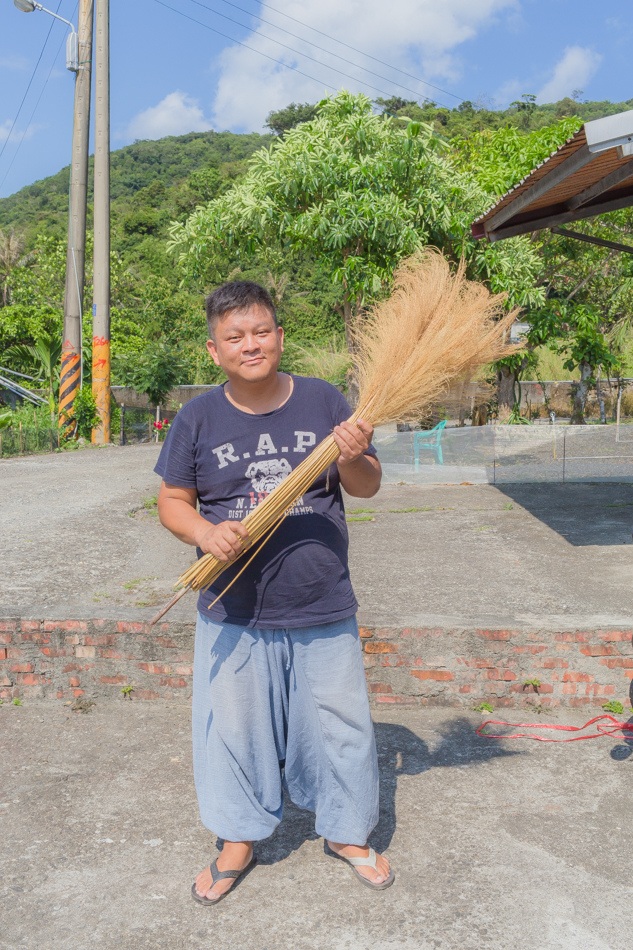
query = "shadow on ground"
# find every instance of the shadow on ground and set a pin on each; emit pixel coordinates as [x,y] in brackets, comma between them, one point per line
[583,514]
[400,752]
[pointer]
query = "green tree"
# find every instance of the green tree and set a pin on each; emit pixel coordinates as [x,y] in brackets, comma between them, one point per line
[358,192]
[154,372]
[283,120]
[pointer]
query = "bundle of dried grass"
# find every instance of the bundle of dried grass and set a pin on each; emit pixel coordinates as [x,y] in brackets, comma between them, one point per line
[436,328]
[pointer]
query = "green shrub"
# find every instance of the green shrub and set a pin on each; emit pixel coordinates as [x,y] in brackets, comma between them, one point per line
[86,413]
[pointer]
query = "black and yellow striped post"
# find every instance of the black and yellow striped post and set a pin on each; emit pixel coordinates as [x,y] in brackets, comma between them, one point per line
[69,383]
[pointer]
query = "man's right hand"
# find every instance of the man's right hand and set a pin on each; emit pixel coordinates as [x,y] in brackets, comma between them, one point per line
[226,540]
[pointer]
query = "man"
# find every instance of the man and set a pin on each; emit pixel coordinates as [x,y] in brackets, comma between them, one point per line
[279,693]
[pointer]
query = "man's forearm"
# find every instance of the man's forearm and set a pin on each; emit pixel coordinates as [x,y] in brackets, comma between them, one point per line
[361,478]
[182,520]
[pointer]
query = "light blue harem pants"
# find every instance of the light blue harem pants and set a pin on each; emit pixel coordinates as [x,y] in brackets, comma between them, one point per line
[283,707]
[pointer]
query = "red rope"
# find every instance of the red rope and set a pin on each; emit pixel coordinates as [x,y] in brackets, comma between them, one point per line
[619,730]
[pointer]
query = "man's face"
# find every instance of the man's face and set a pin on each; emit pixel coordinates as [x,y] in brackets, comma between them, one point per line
[247,344]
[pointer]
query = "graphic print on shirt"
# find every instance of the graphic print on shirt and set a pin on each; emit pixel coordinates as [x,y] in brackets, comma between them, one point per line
[265,474]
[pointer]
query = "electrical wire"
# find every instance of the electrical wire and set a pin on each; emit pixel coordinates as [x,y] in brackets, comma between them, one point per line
[298,53]
[240,43]
[39,59]
[39,99]
[304,40]
[347,45]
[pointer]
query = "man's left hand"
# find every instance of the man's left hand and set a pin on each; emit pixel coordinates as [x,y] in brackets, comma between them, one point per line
[353,440]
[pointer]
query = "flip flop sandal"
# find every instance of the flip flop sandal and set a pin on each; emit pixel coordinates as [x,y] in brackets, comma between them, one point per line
[368,862]
[217,875]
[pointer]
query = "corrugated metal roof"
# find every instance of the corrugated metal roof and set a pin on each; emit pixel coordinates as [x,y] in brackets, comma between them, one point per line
[514,213]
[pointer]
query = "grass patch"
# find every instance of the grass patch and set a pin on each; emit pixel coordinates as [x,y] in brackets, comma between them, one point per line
[406,511]
[484,527]
[360,518]
[361,511]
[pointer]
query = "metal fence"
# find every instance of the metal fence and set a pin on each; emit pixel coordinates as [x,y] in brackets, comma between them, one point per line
[502,454]
[137,425]
[16,441]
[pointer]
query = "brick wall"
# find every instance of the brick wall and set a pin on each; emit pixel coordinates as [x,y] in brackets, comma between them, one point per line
[44,660]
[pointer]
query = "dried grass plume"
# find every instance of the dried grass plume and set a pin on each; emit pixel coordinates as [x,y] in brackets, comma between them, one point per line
[435,329]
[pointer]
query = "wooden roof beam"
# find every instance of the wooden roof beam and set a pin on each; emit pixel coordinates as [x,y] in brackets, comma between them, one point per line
[590,239]
[609,181]
[624,199]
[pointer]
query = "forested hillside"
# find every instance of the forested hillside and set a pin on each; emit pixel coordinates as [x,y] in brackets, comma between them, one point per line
[321,216]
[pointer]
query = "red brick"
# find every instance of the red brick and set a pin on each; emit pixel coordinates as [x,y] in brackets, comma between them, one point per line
[615,635]
[379,688]
[74,681]
[6,638]
[393,659]
[3,653]
[401,700]
[465,689]
[433,674]
[29,679]
[572,677]
[368,661]
[114,680]
[51,625]
[124,627]
[36,637]
[552,664]
[14,653]
[78,692]
[84,651]
[144,694]
[618,662]
[8,626]
[102,640]
[598,650]
[564,637]
[581,637]
[5,681]
[22,667]
[380,647]
[108,653]
[174,682]
[497,634]
[29,626]
[159,669]
[168,643]
[184,670]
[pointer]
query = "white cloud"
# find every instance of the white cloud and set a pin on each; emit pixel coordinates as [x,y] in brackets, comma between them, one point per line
[176,114]
[17,134]
[419,35]
[573,71]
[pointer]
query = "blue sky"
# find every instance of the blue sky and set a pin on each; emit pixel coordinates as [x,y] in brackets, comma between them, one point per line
[171,75]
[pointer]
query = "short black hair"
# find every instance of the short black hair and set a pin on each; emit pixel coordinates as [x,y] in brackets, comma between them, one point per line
[236,295]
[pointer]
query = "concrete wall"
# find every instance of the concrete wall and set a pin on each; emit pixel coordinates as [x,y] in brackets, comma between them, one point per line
[182,394]
[48,660]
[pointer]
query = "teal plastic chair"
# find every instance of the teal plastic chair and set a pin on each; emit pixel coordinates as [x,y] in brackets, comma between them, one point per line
[421,441]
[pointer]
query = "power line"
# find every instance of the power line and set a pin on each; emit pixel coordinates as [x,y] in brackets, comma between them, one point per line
[240,43]
[304,40]
[296,51]
[347,45]
[39,99]
[39,59]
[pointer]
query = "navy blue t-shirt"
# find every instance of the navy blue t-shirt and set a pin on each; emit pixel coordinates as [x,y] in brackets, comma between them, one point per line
[234,460]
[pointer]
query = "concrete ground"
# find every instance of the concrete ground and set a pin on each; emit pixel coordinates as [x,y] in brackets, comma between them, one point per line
[78,541]
[496,844]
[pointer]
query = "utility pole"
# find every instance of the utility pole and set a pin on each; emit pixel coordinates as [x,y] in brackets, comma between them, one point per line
[101,267]
[71,368]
